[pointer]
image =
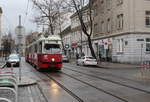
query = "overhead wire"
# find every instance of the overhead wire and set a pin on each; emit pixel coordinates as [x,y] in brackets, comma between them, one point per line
[26,13]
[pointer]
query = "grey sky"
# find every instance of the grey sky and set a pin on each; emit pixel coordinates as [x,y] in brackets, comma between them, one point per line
[11,11]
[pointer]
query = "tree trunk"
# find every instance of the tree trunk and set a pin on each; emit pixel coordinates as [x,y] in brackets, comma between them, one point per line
[51,29]
[91,47]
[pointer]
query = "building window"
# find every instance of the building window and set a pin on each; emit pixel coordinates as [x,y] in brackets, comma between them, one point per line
[102,6]
[119,2]
[102,1]
[120,21]
[102,27]
[148,44]
[147,18]
[108,26]
[108,4]
[95,28]
[120,46]
[95,10]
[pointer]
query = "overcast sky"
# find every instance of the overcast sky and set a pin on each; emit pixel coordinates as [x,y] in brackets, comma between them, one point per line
[11,11]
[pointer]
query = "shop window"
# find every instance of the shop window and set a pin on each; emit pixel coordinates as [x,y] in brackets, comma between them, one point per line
[148,44]
[120,46]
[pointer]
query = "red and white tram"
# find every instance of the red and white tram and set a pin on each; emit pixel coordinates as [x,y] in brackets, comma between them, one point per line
[45,53]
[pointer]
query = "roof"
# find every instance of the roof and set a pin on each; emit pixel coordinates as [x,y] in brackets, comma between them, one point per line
[80,10]
[1,11]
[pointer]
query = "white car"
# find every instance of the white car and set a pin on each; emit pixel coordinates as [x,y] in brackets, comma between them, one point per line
[87,60]
[13,59]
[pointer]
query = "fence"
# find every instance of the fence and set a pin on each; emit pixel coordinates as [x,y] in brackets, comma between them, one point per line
[8,86]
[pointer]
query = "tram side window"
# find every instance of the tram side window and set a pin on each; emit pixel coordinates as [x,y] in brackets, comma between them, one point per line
[40,47]
[35,48]
[29,49]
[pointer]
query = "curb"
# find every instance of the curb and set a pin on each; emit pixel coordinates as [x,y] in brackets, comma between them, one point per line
[118,68]
[25,81]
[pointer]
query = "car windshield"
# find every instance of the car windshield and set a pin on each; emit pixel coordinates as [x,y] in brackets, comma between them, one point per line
[13,57]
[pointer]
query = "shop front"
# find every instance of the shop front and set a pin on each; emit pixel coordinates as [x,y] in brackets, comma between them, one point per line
[103,49]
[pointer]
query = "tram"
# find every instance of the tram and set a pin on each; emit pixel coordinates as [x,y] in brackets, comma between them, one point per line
[45,53]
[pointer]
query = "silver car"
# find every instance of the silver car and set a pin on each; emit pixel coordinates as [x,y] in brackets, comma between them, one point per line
[65,58]
[13,59]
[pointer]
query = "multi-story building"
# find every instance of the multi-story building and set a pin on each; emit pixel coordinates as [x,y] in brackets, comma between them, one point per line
[0,25]
[78,38]
[66,38]
[122,30]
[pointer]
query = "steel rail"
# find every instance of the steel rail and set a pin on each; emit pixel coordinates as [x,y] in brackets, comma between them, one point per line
[108,80]
[66,89]
[96,88]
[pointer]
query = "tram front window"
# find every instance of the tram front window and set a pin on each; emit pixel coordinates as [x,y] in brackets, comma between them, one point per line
[52,48]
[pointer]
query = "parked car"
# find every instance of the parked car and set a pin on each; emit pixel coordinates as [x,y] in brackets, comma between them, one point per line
[65,58]
[13,59]
[87,60]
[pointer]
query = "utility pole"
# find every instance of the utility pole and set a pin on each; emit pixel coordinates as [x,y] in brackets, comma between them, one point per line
[20,30]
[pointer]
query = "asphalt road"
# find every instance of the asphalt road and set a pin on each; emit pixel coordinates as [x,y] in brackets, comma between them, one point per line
[83,84]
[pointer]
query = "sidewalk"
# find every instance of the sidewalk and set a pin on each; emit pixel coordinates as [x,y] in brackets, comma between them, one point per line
[111,65]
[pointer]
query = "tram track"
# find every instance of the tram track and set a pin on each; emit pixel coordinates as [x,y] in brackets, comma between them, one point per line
[66,89]
[106,74]
[51,76]
[59,84]
[79,99]
[108,80]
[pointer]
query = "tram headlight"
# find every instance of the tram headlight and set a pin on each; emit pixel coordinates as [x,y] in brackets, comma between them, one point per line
[53,59]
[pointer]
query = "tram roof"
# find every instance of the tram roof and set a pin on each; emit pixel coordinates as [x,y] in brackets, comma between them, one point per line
[50,38]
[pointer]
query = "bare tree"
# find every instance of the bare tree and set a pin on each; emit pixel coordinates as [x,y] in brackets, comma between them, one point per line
[79,5]
[48,13]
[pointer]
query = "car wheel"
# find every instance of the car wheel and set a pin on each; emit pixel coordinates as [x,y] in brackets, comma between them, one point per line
[8,65]
[18,64]
[83,63]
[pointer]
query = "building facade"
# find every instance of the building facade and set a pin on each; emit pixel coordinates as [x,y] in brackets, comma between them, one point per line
[79,43]
[122,30]
[0,25]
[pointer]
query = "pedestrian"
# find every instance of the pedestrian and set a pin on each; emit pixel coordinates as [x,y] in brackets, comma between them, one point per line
[77,56]
[82,54]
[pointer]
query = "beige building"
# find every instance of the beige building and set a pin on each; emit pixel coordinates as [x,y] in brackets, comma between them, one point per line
[122,30]
[0,25]
[78,38]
